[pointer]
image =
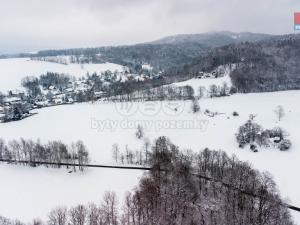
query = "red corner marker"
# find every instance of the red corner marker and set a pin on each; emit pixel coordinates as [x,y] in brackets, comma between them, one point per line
[297,18]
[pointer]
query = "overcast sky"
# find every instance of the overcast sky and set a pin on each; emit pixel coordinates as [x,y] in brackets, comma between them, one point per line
[30,25]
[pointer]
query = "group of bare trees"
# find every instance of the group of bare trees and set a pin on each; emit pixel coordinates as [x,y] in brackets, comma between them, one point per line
[53,59]
[208,187]
[156,94]
[54,153]
[202,188]
[187,188]
[131,157]
[104,214]
[253,134]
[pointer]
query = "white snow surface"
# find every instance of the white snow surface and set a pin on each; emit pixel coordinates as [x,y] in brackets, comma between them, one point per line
[13,70]
[32,192]
[204,82]
[28,193]
[72,122]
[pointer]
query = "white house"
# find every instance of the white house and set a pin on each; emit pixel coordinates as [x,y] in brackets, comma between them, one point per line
[100,94]
[12,100]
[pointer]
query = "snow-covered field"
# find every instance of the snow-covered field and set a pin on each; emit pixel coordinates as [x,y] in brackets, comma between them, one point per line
[13,70]
[30,192]
[205,83]
[196,83]
[102,124]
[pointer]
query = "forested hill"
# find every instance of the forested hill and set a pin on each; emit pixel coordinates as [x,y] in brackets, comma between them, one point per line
[168,52]
[268,65]
[213,39]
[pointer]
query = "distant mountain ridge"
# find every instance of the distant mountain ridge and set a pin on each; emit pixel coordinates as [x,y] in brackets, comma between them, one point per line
[264,62]
[173,51]
[213,39]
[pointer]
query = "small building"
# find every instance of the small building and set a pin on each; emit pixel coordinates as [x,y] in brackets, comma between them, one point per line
[58,101]
[100,94]
[12,100]
[16,93]
[69,90]
[70,100]
[147,67]
[41,104]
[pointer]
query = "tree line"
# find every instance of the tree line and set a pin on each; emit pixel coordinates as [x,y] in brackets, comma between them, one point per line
[174,192]
[54,152]
[267,65]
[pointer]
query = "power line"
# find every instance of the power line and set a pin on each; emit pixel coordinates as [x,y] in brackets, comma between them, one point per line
[292,207]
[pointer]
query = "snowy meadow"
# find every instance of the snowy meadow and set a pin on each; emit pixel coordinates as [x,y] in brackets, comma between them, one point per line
[13,70]
[102,124]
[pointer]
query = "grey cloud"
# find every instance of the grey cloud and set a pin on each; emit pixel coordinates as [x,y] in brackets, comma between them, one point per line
[34,24]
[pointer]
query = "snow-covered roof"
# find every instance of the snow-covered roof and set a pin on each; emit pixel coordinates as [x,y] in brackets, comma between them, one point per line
[69,89]
[12,99]
[17,92]
[147,67]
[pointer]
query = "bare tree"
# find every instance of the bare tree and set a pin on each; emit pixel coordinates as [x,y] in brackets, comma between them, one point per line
[140,132]
[213,90]
[195,106]
[147,146]
[94,215]
[109,208]
[279,111]
[202,90]
[115,152]
[78,215]
[37,221]
[58,216]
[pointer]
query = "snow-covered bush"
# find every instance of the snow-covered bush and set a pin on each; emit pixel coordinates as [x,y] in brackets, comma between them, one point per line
[279,112]
[253,147]
[235,113]
[277,132]
[140,132]
[285,145]
[195,106]
[248,133]
[253,134]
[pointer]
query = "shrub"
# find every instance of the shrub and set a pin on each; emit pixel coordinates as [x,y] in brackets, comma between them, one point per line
[235,113]
[248,133]
[253,148]
[285,145]
[195,106]
[140,132]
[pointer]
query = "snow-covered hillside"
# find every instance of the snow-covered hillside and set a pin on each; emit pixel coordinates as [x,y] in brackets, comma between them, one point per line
[100,125]
[206,83]
[29,193]
[13,70]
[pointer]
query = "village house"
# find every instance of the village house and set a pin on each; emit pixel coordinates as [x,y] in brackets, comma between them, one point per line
[12,100]
[100,94]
